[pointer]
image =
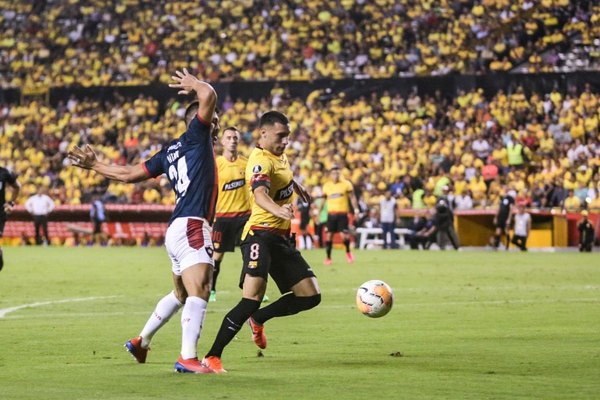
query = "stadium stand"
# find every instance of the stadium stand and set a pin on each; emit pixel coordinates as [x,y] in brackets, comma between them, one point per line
[94,43]
[478,138]
[379,140]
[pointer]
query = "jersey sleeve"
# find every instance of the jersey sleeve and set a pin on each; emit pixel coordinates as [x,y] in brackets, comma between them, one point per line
[155,165]
[259,171]
[349,187]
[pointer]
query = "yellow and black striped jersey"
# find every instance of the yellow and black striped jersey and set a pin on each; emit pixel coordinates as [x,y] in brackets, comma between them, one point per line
[338,196]
[266,169]
[233,192]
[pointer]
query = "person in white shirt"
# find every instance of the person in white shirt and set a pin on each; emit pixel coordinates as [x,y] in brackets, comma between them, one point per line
[522,228]
[39,206]
[387,217]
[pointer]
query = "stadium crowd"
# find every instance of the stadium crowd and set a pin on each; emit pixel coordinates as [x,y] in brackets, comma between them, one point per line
[50,43]
[544,146]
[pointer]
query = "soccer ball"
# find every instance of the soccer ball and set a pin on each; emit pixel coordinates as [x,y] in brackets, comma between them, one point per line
[374,298]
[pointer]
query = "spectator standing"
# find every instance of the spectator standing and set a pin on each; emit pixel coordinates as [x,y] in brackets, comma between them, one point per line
[98,216]
[522,227]
[387,212]
[40,205]
[586,233]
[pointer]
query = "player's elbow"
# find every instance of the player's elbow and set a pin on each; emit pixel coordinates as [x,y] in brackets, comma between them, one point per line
[206,94]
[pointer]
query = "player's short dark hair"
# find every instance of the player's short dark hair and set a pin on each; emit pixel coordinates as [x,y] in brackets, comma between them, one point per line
[191,111]
[272,117]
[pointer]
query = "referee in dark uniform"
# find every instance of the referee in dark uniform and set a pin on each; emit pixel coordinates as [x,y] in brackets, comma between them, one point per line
[7,178]
[503,217]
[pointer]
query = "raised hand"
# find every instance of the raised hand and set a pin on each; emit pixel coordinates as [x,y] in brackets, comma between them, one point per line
[185,81]
[83,158]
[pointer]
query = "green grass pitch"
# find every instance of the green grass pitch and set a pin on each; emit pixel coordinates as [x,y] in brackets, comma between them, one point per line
[465,325]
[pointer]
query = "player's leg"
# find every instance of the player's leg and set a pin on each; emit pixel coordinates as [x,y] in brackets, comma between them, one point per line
[253,281]
[252,293]
[163,311]
[497,237]
[331,229]
[304,296]
[2,223]
[344,228]
[295,278]
[217,258]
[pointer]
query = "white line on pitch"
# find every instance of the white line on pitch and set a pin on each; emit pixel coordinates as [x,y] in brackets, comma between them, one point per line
[326,306]
[4,311]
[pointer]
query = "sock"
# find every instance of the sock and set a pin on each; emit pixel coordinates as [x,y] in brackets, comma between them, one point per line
[308,241]
[496,240]
[216,271]
[1,260]
[329,244]
[231,325]
[192,318]
[347,244]
[288,304]
[302,242]
[165,309]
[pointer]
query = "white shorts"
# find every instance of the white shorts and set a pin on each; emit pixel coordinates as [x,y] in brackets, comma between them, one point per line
[188,242]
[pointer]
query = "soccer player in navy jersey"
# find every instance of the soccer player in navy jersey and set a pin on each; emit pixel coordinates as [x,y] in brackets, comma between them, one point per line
[189,162]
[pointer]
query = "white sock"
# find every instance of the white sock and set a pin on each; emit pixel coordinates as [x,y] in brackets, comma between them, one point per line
[302,243]
[192,319]
[165,309]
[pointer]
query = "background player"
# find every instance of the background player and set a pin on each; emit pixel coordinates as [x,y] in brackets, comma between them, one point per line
[586,233]
[339,195]
[233,205]
[266,246]
[522,228]
[190,165]
[502,218]
[9,179]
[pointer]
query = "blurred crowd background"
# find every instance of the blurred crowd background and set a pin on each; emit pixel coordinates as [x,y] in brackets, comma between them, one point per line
[472,145]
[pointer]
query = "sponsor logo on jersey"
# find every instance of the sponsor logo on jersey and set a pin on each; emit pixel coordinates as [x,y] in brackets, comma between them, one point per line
[335,196]
[285,193]
[174,147]
[238,183]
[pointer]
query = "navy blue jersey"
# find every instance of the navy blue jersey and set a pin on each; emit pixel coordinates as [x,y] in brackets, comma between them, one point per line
[189,162]
[6,177]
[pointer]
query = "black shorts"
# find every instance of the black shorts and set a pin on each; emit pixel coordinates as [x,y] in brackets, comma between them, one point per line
[227,232]
[266,254]
[337,223]
[97,226]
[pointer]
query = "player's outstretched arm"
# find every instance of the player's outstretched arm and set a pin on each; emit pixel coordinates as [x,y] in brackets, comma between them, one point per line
[86,158]
[207,97]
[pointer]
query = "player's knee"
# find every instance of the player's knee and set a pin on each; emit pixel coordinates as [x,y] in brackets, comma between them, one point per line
[306,303]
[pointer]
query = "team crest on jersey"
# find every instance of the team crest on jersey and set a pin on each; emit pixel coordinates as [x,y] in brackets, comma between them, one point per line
[286,192]
[238,183]
[256,169]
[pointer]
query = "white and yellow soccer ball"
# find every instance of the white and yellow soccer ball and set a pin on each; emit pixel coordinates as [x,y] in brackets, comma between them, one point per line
[374,298]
